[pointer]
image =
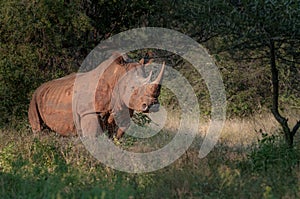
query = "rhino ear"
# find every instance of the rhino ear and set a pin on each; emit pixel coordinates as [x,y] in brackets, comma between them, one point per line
[148,57]
[141,70]
[149,62]
[142,61]
[118,58]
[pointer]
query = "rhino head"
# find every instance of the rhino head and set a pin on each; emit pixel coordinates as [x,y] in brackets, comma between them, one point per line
[138,92]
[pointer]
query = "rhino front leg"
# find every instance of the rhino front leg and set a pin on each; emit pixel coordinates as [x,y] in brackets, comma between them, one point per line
[123,122]
[90,126]
[120,133]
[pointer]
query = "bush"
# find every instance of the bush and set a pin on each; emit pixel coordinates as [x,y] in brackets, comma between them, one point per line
[38,43]
[272,153]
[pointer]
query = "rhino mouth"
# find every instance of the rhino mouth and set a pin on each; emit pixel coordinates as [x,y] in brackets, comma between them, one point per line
[151,108]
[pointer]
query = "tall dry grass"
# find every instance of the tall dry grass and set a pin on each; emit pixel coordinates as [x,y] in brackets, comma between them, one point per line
[241,132]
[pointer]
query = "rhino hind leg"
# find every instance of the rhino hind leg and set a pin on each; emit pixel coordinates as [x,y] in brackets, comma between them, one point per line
[34,116]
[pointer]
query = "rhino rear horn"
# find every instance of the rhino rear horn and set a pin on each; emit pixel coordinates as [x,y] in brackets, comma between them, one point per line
[147,79]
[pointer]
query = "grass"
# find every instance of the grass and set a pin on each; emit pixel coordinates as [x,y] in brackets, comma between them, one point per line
[248,162]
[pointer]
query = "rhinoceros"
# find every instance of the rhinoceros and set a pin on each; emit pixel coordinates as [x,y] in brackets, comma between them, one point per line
[104,98]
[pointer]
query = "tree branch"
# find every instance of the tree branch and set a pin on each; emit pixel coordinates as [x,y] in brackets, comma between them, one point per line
[289,61]
[296,127]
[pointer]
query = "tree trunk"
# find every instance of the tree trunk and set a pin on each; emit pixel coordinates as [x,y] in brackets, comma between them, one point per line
[289,135]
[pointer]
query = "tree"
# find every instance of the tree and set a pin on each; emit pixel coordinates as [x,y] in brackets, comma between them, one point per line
[38,41]
[264,30]
[271,29]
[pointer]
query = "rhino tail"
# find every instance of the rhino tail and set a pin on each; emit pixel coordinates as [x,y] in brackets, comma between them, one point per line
[34,115]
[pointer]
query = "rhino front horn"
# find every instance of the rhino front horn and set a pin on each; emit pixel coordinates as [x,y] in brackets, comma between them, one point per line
[159,78]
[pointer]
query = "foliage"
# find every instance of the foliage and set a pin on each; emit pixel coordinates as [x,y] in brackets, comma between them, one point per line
[253,25]
[271,152]
[45,169]
[50,166]
[267,31]
[43,40]
[263,21]
[38,40]
[239,34]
